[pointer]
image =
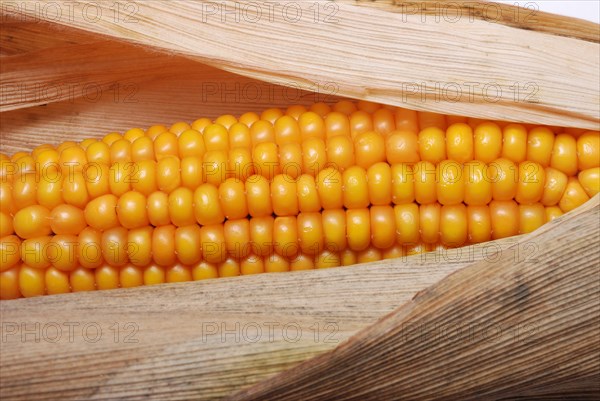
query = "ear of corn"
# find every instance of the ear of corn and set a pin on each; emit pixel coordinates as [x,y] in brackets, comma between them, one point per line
[317,187]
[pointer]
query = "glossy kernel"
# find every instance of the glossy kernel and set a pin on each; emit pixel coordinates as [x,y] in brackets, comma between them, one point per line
[590,180]
[379,182]
[62,252]
[32,221]
[356,188]
[258,195]
[478,185]
[479,224]
[540,142]
[329,185]
[131,210]
[285,230]
[514,145]
[67,219]
[531,217]
[504,176]
[232,196]
[82,279]
[157,206]
[187,244]
[287,130]
[31,281]
[168,174]
[407,223]
[101,213]
[334,229]
[403,184]
[532,178]
[459,143]
[261,235]
[237,237]
[284,196]
[314,156]
[163,245]
[588,150]
[426,186]
[358,229]
[487,142]
[207,207]
[505,218]
[340,152]
[369,148]
[564,154]
[89,249]
[139,246]
[402,147]
[430,222]
[574,196]
[308,196]
[554,186]
[450,183]
[181,210]
[453,225]
[216,137]
[310,233]
[383,230]
[114,246]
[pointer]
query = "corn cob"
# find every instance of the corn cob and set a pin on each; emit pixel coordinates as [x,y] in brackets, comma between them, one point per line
[301,189]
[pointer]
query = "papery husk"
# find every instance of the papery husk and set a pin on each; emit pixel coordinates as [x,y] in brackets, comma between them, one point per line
[379,54]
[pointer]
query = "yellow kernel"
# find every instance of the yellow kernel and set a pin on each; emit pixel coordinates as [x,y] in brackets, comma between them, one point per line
[356,188]
[540,142]
[573,197]
[31,281]
[358,229]
[205,270]
[590,180]
[450,183]
[329,185]
[407,223]
[514,145]
[168,174]
[131,210]
[32,221]
[478,186]
[487,142]
[425,182]
[181,210]
[459,143]
[139,246]
[532,178]
[531,217]
[505,218]
[554,187]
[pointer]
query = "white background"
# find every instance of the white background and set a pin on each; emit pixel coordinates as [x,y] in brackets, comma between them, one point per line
[584,9]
